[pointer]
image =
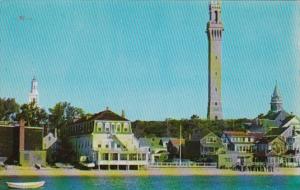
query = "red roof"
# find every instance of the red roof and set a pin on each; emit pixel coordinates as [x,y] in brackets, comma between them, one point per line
[244,134]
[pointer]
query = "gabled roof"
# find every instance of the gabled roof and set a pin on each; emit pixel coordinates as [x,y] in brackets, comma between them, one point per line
[276,131]
[104,115]
[107,115]
[267,139]
[256,135]
[176,141]
[287,119]
[199,133]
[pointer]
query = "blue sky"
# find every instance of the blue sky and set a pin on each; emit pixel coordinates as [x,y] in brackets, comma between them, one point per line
[149,57]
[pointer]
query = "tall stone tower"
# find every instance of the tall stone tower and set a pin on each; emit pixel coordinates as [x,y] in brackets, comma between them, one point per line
[214,33]
[34,95]
[276,100]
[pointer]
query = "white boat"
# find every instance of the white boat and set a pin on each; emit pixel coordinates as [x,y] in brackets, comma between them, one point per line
[88,165]
[25,185]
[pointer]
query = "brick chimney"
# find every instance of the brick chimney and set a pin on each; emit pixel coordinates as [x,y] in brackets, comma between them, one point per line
[21,135]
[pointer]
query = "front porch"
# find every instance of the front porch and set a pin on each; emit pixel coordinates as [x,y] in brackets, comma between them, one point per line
[108,160]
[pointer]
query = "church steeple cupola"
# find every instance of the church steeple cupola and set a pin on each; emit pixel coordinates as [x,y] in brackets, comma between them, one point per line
[276,100]
[34,95]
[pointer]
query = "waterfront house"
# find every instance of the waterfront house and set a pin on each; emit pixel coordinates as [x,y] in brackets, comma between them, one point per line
[203,145]
[175,146]
[157,147]
[106,139]
[270,149]
[239,148]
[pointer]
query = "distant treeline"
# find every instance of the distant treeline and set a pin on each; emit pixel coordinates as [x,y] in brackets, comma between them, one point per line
[63,113]
[171,127]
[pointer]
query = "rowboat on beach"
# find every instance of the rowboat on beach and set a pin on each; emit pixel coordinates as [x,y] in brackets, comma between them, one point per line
[25,185]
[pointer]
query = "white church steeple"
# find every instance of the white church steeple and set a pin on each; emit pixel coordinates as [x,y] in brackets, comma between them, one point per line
[34,95]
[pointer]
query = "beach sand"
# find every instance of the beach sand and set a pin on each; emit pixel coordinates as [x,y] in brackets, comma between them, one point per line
[29,171]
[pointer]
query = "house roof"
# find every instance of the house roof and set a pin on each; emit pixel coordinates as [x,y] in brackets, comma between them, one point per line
[176,141]
[199,133]
[267,139]
[275,131]
[103,115]
[287,119]
[108,115]
[271,115]
[255,135]
[235,133]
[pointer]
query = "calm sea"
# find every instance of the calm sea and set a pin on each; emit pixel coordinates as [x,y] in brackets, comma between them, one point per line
[163,182]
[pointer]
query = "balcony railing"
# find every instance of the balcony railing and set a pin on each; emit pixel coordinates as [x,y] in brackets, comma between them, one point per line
[183,165]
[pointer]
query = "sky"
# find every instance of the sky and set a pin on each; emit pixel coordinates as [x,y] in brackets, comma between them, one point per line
[149,58]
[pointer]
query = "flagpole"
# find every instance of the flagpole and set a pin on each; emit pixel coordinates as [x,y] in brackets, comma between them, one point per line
[180,147]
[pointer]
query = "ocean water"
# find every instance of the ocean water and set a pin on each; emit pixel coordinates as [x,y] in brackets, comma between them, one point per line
[163,182]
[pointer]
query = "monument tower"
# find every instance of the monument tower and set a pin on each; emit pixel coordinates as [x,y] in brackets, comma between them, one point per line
[34,95]
[214,33]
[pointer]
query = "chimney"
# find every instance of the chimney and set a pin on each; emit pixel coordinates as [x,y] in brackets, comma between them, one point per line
[21,134]
[123,114]
[107,108]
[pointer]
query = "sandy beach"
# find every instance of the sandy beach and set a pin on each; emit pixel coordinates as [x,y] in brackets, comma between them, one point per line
[26,171]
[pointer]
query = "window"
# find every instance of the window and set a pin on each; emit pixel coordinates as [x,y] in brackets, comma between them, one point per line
[105,156]
[216,16]
[132,157]
[123,156]
[216,73]
[118,127]
[99,126]
[125,127]
[107,127]
[113,128]
[216,103]
[106,146]
[99,145]
[114,156]
[216,89]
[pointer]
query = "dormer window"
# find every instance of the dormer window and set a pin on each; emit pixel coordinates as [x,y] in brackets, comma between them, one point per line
[107,127]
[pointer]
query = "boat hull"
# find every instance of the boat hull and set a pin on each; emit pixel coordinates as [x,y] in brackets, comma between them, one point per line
[28,185]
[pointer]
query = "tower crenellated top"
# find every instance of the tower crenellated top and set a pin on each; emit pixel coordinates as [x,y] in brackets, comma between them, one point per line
[215,8]
[215,25]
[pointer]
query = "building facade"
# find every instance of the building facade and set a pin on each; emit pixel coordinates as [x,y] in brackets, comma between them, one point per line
[22,144]
[214,32]
[239,149]
[204,145]
[106,139]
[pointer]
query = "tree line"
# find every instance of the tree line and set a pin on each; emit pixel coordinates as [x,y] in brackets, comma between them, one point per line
[63,113]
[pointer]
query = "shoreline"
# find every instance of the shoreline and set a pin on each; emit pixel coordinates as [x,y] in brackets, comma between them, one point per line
[58,172]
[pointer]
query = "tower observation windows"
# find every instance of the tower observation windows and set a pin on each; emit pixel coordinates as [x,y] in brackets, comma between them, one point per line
[216,16]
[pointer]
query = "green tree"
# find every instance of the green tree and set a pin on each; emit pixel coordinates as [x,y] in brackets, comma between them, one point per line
[33,115]
[63,114]
[8,109]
